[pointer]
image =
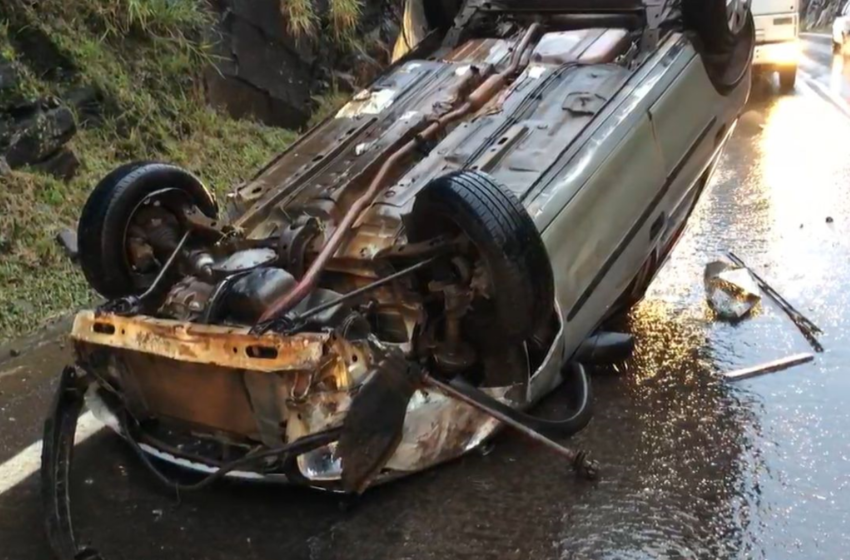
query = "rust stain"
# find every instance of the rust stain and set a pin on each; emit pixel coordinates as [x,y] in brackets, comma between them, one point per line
[204,344]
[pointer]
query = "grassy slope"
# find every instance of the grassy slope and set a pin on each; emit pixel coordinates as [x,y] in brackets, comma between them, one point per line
[144,55]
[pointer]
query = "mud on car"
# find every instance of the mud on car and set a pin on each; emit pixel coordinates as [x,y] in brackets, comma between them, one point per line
[416,271]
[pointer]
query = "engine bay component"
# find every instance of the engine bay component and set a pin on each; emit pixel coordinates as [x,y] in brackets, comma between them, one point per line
[245,260]
[250,295]
[187,299]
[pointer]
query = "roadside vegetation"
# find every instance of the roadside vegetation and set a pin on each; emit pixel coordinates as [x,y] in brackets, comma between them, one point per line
[343,16]
[144,59]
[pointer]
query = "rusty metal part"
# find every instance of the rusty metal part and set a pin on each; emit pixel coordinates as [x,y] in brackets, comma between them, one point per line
[132,304]
[187,299]
[294,242]
[426,248]
[577,459]
[155,225]
[453,354]
[374,424]
[201,262]
[368,288]
[230,347]
[167,266]
[476,100]
[141,254]
[200,222]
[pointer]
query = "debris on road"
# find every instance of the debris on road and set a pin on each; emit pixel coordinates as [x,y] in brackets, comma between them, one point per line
[731,290]
[768,367]
[807,327]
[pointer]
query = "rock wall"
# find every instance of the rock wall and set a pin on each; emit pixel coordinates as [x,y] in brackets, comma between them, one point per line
[263,72]
[35,130]
[819,14]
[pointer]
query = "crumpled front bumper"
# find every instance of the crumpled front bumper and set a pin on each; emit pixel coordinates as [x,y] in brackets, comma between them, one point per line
[224,382]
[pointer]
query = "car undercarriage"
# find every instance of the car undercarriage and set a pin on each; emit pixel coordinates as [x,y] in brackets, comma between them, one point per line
[379,299]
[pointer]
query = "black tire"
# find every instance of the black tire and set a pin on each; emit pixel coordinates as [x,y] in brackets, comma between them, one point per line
[107,212]
[787,79]
[727,56]
[507,241]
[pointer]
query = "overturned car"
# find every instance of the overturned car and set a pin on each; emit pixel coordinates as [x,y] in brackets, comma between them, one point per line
[416,271]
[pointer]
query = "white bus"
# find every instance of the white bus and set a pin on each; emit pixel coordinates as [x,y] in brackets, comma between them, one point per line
[777,31]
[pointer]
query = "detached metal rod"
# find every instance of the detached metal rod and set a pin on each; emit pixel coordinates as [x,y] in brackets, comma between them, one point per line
[578,459]
[359,291]
[167,266]
[789,309]
[769,367]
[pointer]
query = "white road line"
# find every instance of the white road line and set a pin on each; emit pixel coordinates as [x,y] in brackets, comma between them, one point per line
[28,462]
[813,34]
[833,97]
[804,87]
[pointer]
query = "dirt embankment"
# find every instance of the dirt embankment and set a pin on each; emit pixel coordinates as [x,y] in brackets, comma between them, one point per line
[86,86]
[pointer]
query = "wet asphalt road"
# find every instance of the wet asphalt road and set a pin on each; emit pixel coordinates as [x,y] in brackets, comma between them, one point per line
[693,467]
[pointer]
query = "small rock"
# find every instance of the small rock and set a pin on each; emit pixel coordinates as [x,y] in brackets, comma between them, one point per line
[14,352]
[40,135]
[829,219]
[67,239]
[62,165]
[41,53]
[88,101]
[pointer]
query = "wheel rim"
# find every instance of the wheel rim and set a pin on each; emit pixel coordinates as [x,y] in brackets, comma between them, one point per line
[736,14]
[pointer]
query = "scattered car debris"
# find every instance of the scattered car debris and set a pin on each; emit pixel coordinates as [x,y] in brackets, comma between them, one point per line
[731,291]
[807,327]
[768,367]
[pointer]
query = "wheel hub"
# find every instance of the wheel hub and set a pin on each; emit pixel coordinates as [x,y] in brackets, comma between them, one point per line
[736,14]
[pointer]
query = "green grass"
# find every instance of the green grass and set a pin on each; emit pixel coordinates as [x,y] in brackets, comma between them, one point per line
[301,17]
[304,21]
[146,57]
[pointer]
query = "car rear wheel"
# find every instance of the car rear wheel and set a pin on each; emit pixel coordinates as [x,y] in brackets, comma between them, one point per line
[520,287]
[725,33]
[115,206]
[787,79]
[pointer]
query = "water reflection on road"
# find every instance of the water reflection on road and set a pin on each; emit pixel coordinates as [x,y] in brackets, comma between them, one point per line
[785,484]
